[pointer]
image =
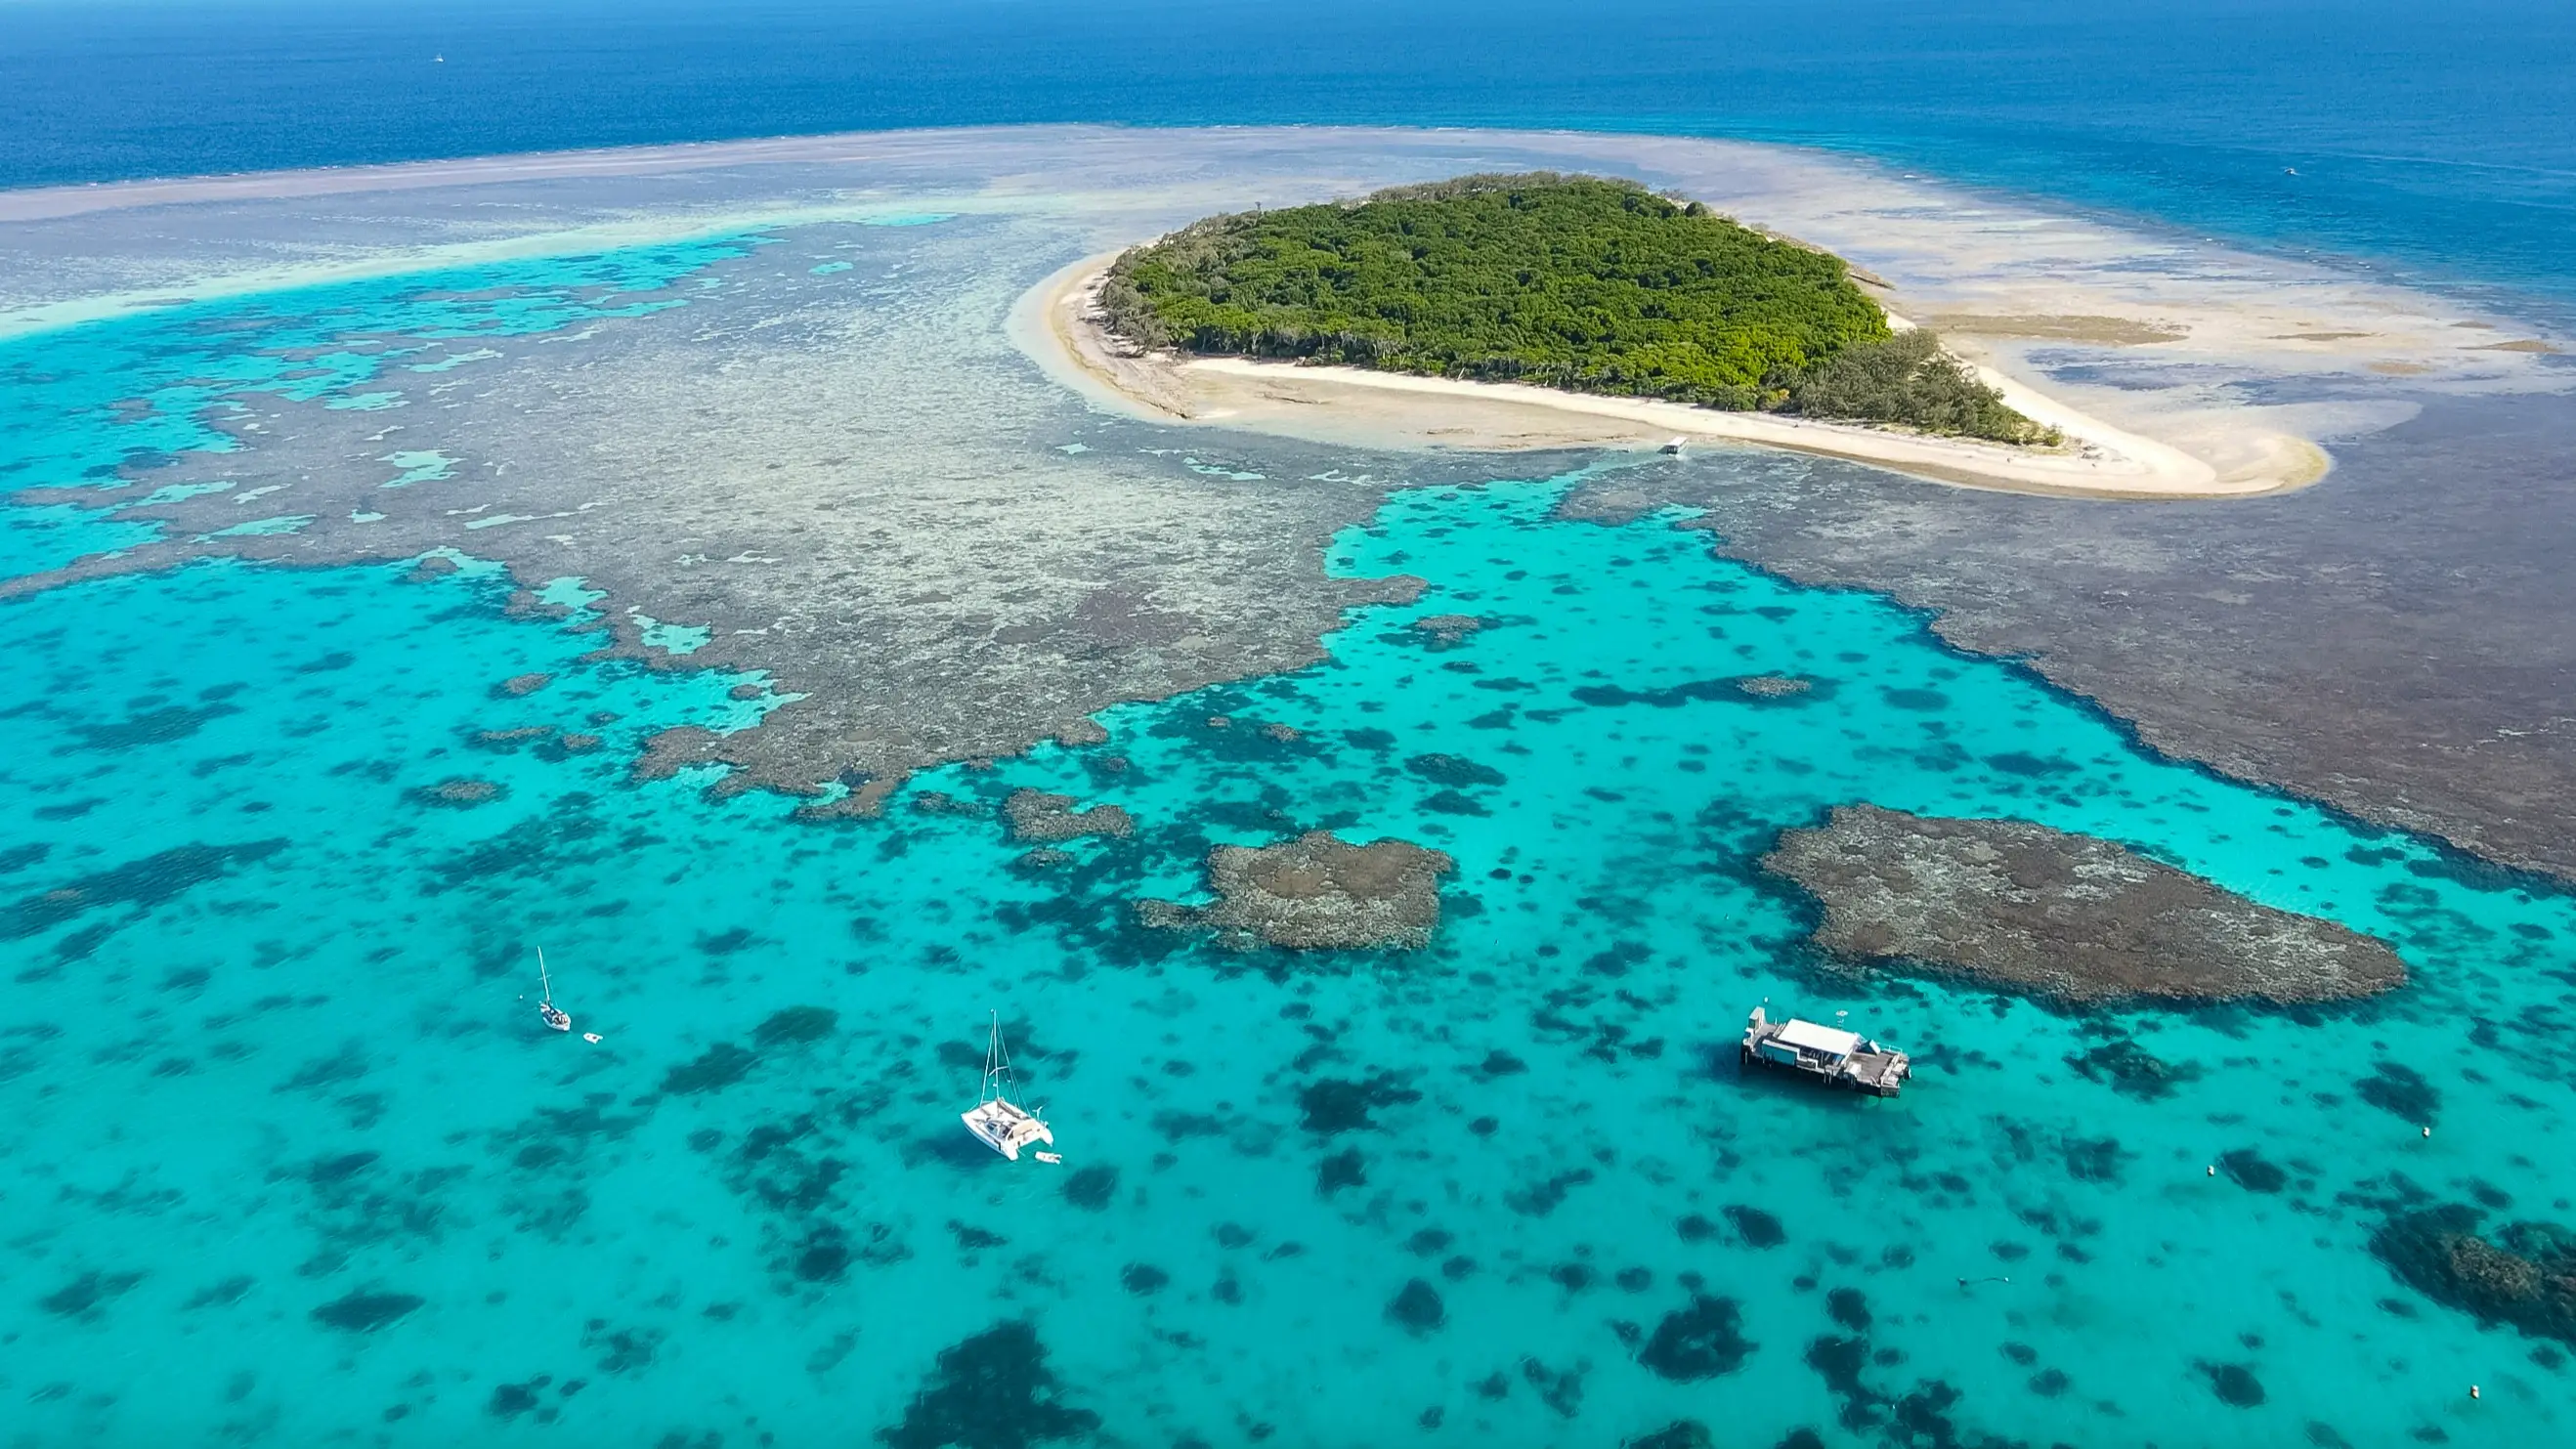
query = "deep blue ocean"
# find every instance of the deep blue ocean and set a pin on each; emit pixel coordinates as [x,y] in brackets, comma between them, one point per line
[2436,140]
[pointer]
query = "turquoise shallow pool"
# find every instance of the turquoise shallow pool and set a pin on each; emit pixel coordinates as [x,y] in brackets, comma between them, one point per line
[288,1157]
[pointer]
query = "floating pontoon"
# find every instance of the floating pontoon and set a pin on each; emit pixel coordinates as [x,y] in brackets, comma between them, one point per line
[1829,1054]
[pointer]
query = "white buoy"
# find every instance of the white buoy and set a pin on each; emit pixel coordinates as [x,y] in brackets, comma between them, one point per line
[2428,1131]
[2473,1391]
[2213,1171]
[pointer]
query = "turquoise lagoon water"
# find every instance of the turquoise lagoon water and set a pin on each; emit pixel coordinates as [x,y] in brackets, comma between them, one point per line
[290,1160]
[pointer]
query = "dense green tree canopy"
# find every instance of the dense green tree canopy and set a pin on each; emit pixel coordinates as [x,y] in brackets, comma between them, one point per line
[1566,281]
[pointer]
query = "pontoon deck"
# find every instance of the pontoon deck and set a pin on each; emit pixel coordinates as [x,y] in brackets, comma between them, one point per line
[1829,1054]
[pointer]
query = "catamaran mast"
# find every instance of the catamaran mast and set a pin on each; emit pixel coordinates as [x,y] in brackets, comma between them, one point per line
[997,1064]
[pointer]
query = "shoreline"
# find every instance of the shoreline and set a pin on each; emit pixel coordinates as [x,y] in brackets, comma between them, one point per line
[1057,324]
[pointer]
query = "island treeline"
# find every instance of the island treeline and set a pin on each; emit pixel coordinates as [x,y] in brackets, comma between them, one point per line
[1574,282]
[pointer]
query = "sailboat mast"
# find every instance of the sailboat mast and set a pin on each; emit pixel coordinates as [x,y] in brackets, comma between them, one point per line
[544,980]
[992,1054]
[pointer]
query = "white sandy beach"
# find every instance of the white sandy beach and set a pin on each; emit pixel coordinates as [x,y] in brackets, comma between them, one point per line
[1059,324]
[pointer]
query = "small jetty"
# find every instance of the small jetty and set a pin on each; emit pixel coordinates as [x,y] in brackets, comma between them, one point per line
[1827,1054]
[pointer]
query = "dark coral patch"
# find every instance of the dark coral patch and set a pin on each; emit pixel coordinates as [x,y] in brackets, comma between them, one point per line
[461,792]
[713,1070]
[824,1257]
[2523,1273]
[1417,1307]
[1679,1434]
[1756,688]
[2234,1384]
[1839,1361]
[992,1391]
[167,725]
[622,1351]
[1753,1227]
[2402,1093]
[1091,1188]
[1541,1198]
[2096,1159]
[220,1294]
[1455,771]
[509,1401]
[795,1026]
[86,1294]
[1559,1389]
[325,1171]
[1332,1106]
[1702,1340]
[363,1312]
[2247,1169]
[144,883]
[2132,1071]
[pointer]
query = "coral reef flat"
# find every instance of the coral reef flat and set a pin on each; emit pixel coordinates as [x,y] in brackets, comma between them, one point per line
[749,319]
[2389,644]
[2017,905]
[676,562]
[1317,893]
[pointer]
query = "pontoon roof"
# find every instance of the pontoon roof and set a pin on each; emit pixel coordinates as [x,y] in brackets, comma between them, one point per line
[1807,1036]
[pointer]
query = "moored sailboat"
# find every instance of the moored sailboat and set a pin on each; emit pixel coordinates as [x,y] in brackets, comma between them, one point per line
[555,1016]
[997,1121]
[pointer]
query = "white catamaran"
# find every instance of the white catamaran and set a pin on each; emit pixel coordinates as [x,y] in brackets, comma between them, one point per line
[556,1016]
[997,1121]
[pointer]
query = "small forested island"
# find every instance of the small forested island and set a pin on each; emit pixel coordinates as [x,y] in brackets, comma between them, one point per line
[1579,283]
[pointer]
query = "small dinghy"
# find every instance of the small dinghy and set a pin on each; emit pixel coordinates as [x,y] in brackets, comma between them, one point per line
[555,1016]
[997,1121]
